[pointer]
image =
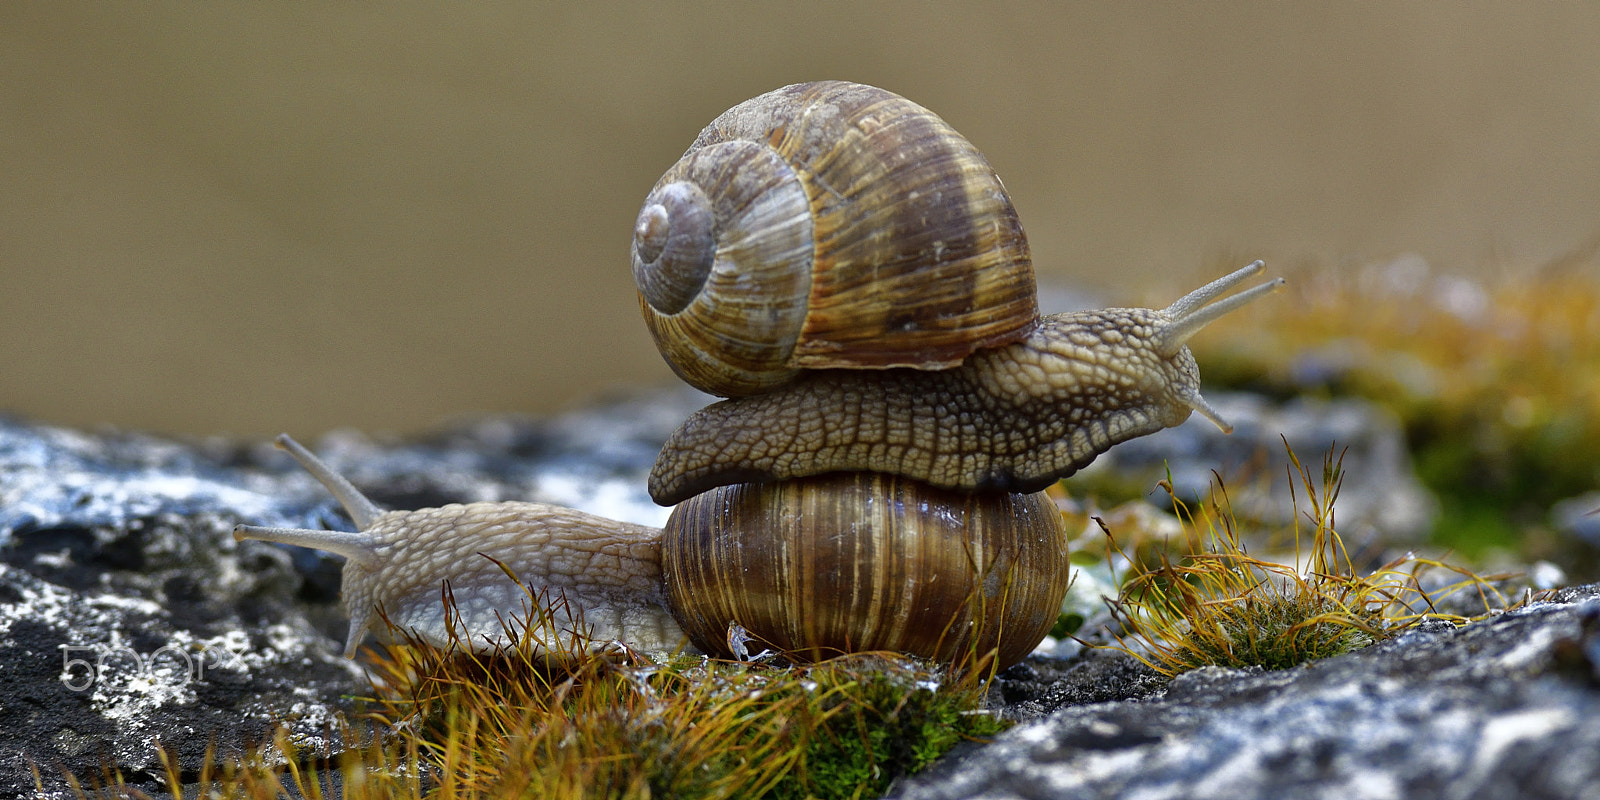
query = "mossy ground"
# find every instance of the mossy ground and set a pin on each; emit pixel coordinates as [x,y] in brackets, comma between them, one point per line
[1209,602]
[1497,386]
[1497,383]
[445,722]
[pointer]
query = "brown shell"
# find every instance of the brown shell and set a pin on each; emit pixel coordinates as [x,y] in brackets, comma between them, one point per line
[848,227]
[849,562]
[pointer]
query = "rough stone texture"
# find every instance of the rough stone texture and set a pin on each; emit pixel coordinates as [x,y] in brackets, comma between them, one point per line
[1506,707]
[1381,500]
[92,678]
[129,615]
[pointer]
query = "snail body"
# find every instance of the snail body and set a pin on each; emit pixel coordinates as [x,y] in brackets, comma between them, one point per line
[777,568]
[850,273]
[605,572]
[1014,418]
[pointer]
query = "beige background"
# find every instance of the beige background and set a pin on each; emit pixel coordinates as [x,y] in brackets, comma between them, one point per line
[253,217]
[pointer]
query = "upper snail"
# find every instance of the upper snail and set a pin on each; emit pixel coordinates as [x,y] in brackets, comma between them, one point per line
[834,226]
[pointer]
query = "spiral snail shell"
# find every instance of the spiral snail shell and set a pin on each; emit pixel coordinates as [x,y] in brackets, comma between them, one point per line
[854,561]
[850,273]
[828,225]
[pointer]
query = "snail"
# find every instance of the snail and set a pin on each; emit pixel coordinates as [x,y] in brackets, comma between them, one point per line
[850,273]
[499,558]
[1015,418]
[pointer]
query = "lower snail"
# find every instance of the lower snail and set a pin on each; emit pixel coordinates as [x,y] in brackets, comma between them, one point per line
[850,272]
[610,575]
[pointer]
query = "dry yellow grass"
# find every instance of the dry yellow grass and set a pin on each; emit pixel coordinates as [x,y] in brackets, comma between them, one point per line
[611,723]
[1215,604]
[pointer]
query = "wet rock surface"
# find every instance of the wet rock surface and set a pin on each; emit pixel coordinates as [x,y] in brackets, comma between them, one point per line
[92,678]
[129,615]
[1505,707]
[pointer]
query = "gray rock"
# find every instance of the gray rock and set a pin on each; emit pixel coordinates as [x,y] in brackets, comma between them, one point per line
[1381,500]
[1506,707]
[1578,518]
[1037,686]
[91,678]
[128,614]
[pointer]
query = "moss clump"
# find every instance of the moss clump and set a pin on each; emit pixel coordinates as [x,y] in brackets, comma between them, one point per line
[1274,633]
[1218,605]
[879,724]
[690,728]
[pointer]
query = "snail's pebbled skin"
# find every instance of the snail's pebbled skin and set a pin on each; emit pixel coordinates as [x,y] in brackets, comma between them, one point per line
[1015,418]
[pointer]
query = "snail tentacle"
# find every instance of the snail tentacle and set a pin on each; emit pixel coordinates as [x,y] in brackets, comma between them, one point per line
[358,547]
[363,512]
[1196,309]
[1199,405]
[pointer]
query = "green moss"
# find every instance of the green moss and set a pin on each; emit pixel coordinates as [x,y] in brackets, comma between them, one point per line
[513,724]
[878,726]
[1475,526]
[1108,487]
[1214,604]
[1274,633]
[1066,625]
[1493,479]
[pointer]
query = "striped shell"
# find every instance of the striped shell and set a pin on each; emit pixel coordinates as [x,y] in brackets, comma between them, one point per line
[828,225]
[848,562]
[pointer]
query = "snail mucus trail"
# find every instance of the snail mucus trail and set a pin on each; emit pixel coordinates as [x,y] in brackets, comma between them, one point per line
[873,480]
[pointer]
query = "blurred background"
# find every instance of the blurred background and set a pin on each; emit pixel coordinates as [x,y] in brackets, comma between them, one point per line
[247,218]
